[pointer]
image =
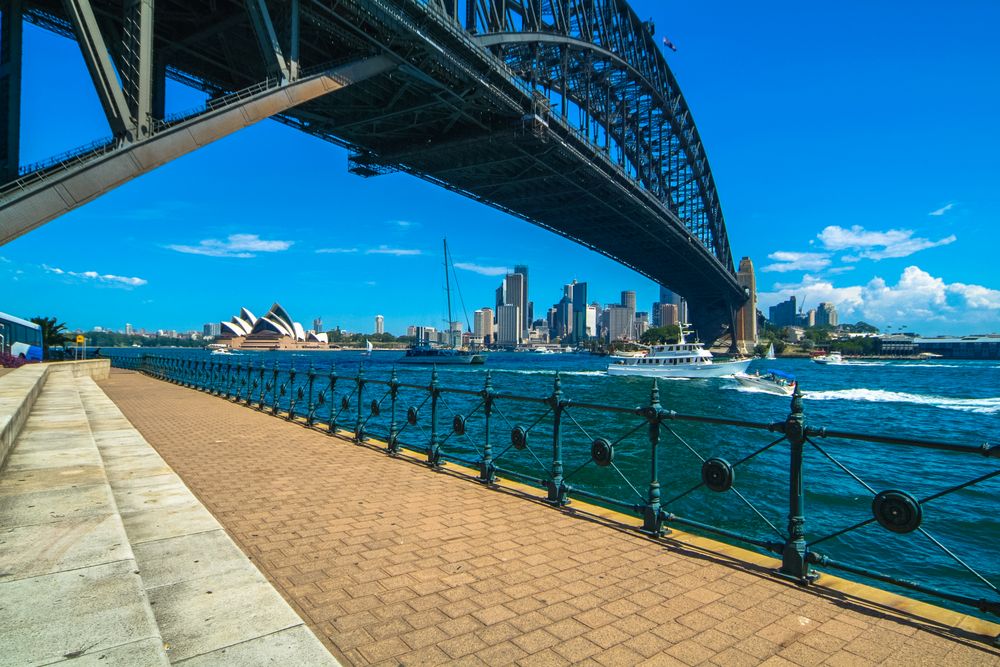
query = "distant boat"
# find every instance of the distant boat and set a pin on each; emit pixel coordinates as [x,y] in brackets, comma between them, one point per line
[770,352]
[368,348]
[829,359]
[424,353]
[772,381]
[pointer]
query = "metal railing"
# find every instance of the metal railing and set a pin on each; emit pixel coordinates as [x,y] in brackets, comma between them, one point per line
[522,438]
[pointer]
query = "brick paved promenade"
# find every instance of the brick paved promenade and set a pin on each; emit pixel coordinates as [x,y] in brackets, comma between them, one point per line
[392,563]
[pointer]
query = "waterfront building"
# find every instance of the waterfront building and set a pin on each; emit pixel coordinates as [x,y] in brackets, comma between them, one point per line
[628,300]
[961,347]
[509,325]
[783,314]
[513,292]
[379,324]
[826,315]
[591,321]
[274,331]
[411,331]
[619,322]
[897,345]
[641,324]
[425,334]
[746,318]
[208,330]
[579,328]
[667,296]
[482,325]
[564,317]
[129,330]
[668,314]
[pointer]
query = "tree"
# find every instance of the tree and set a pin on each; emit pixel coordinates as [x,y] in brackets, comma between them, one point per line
[657,335]
[54,333]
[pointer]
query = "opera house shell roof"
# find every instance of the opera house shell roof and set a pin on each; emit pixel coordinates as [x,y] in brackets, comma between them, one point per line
[276,323]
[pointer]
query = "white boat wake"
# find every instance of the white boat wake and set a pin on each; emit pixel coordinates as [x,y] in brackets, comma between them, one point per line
[984,406]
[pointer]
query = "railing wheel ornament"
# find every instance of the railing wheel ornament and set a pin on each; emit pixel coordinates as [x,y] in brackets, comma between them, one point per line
[299,394]
[321,399]
[897,511]
[345,403]
[458,425]
[375,408]
[718,475]
[519,437]
[602,451]
[411,416]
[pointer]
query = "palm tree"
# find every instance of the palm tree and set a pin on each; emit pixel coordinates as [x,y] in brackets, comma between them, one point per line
[53,332]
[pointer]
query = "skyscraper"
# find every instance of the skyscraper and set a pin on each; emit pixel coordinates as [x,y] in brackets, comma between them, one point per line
[522,270]
[128,329]
[482,323]
[579,311]
[666,296]
[826,315]
[379,324]
[746,318]
[318,324]
[509,325]
[783,314]
[620,320]
[628,302]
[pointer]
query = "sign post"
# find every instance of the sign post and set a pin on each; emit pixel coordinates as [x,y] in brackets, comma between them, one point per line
[80,340]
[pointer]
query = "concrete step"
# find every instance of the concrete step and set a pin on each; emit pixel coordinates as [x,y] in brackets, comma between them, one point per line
[212,605]
[69,582]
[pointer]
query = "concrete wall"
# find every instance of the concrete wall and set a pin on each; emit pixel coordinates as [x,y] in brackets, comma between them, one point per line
[20,387]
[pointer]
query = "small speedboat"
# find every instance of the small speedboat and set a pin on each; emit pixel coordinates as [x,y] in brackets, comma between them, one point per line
[831,358]
[224,351]
[771,381]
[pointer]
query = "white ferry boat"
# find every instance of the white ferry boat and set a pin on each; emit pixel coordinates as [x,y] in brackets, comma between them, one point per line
[681,360]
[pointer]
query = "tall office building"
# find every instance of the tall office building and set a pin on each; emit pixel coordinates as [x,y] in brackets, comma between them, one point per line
[668,314]
[482,325]
[826,315]
[579,311]
[746,318]
[526,310]
[509,325]
[666,296]
[628,302]
[783,314]
[318,324]
[591,321]
[620,322]
[209,330]
[564,317]
[379,324]
[128,329]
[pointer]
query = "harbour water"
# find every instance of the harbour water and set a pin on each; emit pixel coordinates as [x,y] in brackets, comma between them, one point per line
[943,400]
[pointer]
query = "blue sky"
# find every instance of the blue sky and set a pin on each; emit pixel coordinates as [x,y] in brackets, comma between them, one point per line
[854,145]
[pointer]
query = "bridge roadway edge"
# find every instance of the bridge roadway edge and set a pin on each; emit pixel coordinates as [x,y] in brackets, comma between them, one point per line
[333,604]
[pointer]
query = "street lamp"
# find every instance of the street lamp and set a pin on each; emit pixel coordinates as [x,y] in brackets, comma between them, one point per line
[2,339]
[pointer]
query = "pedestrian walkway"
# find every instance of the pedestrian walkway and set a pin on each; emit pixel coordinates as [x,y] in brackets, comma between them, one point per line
[107,557]
[393,563]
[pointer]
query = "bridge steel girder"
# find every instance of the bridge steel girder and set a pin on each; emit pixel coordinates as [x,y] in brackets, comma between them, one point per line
[267,38]
[11,22]
[71,188]
[102,71]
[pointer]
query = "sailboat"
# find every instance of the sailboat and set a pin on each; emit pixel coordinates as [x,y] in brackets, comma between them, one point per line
[423,352]
[368,348]
[770,351]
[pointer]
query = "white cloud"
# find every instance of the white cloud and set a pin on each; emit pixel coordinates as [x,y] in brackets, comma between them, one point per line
[797,261]
[876,245]
[386,250]
[241,246]
[916,297]
[405,224]
[125,281]
[335,251]
[483,270]
[941,211]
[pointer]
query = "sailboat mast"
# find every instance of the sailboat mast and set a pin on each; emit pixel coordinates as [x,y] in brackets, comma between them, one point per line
[447,289]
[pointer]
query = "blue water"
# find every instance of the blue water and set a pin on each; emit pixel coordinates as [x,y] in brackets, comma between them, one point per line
[944,400]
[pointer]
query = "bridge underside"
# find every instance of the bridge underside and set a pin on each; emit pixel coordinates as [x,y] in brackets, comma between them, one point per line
[456,113]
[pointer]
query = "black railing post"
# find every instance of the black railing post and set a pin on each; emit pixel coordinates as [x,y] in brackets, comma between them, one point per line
[434,449]
[794,560]
[310,408]
[652,521]
[229,377]
[487,470]
[557,489]
[393,444]
[263,385]
[274,389]
[359,435]
[291,392]
[250,383]
[333,403]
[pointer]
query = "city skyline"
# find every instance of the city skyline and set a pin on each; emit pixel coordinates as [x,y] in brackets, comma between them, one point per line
[901,241]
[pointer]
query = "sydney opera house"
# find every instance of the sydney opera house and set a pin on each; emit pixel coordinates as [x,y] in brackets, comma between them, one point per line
[274,331]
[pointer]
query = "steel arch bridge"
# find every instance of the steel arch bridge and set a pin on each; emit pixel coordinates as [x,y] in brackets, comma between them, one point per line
[561,112]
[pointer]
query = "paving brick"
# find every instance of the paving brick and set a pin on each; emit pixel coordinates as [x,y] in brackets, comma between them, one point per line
[440,570]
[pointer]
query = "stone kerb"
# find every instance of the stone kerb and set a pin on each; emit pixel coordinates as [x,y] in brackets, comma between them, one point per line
[18,391]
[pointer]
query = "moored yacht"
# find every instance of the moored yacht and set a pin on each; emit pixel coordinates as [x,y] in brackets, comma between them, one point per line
[683,360]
